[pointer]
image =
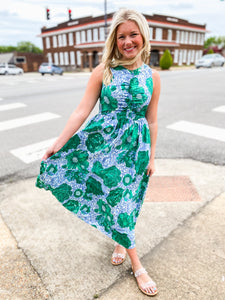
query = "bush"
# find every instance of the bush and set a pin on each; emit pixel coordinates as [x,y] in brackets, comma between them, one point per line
[210,51]
[166,60]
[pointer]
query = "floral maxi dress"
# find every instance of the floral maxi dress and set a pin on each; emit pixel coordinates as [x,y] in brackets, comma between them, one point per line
[100,173]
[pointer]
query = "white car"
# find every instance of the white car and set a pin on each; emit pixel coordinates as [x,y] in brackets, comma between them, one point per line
[210,60]
[6,69]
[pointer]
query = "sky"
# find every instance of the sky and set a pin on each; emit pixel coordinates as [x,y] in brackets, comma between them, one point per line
[22,20]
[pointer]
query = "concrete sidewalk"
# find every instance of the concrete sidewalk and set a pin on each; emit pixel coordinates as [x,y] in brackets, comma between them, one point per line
[47,253]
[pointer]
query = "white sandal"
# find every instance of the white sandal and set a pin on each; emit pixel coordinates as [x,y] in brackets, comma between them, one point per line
[143,286]
[117,255]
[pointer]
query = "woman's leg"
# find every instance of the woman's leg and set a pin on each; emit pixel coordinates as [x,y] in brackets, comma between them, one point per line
[136,265]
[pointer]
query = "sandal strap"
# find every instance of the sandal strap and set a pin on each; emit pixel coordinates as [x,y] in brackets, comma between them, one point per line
[140,272]
[148,284]
[119,255]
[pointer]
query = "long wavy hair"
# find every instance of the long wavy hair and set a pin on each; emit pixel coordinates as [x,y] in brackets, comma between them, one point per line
[111,56]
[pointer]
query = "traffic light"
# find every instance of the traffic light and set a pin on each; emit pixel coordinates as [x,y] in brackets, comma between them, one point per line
[70,14]
[47,13]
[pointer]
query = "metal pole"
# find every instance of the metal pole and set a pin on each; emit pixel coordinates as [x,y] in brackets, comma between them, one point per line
[105,19]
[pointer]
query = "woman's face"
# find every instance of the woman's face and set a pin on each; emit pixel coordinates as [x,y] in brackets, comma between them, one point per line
[129,40]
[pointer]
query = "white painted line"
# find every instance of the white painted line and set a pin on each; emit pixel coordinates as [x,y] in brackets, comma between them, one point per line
[32,152]
[220,109]
[15,123]
[199,129]
[11,106]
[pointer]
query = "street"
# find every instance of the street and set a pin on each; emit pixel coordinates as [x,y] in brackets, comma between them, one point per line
[35,108]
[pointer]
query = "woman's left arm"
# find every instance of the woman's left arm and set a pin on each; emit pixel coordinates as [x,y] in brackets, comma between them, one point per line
[151,116]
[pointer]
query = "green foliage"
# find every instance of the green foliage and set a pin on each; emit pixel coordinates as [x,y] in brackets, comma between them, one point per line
[166,60]
[21,47]
[214,41]
[210,51]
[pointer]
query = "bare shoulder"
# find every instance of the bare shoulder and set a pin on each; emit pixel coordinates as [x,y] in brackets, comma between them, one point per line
[155,75]
[97,73]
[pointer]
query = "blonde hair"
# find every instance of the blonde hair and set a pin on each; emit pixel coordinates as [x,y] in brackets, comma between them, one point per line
[111,56]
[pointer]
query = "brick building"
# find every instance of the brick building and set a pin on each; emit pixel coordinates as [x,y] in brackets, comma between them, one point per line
[79,43]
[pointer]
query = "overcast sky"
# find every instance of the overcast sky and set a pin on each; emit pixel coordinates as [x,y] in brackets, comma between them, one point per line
[21,20]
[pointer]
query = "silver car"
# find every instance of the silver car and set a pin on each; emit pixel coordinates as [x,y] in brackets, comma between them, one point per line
[210,60]
[7,69]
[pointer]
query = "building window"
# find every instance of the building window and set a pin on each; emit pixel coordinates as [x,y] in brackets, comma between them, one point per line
[49,55]
[56,58]
[78,58]
[192,56]
[194,38]
[186,37]
[71,39]
[89,35]
[189,57]
[64,40]
[178,36]
[47,42]
[83,39]
[20,60]
[54,41]
[184,56]
[72,58]
[180,58]
[190,38]
[95,32]
[102,33]
[169,36]
[66,58]
[77,37]
[60,40]
[151,33]
[202,39]
[182,37]
[176,56]
[61,58]
[158,34]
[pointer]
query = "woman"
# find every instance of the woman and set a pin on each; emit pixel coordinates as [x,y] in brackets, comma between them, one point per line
[101,172]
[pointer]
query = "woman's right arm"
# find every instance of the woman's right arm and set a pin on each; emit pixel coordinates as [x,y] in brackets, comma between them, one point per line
[81,113]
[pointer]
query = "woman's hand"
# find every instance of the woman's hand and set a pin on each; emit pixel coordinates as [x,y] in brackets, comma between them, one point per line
[151,168]
[50,151]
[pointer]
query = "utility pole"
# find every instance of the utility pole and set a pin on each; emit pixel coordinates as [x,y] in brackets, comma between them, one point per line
[105,19]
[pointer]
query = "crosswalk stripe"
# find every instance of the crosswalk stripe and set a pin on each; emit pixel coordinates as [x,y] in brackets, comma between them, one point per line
[199,129]
[19,122]
[33,152]
[11,106]
[220,109]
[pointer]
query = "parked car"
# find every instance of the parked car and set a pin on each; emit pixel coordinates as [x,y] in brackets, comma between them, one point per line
[6,69]
[46,68]
[210,60]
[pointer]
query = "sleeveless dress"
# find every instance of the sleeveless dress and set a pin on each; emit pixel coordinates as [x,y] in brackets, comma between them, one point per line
[100,173]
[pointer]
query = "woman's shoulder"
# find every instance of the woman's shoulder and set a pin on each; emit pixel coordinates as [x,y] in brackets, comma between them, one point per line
[98,71]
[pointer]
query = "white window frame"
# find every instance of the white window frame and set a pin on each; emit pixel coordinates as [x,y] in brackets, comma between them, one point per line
[194,38]
[78,58]
[83,37]
[66,58]
[55,41]
[60,40]
[89,35]
[95,34]
[47,42]
[151,33]
[184,55]
[158,34]
[176,52]
[77,37]
[102,33]
[49,55]
[178,36]
[56,58]
[61,58]
[71,39]
[169,35]
[186,37]
[72,58]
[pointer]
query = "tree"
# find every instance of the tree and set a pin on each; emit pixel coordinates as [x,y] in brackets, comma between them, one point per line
[21,47]
[215,41]
[27,47]
[166,60]
[210,51]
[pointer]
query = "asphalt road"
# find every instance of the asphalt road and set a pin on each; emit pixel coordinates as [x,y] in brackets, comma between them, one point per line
[191,96]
